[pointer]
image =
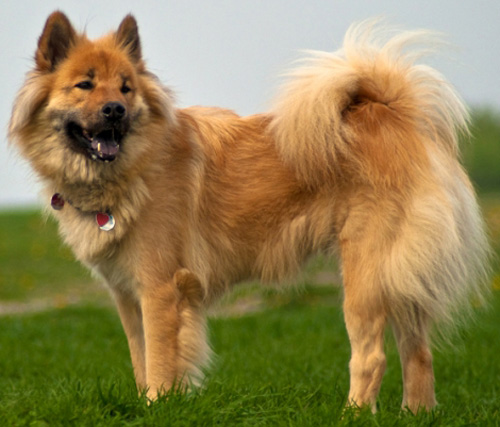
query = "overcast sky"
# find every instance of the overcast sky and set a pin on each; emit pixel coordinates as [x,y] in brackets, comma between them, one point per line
[230,53]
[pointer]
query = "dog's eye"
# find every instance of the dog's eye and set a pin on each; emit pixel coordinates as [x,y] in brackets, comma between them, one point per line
[125,89]
[85,85]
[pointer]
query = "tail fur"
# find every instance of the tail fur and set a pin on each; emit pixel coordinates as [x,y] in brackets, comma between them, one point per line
[368,115]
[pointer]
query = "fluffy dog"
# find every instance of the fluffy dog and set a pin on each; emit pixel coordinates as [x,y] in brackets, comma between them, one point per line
[171,207]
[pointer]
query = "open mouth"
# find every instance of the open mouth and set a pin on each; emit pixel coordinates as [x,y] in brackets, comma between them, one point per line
[102,145]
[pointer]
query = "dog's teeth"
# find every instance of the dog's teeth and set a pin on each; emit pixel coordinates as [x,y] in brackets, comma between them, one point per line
[98,147]
[106,161]
[94,157]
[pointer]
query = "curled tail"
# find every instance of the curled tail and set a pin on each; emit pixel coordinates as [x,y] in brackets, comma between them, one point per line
[370,119]
[368,86]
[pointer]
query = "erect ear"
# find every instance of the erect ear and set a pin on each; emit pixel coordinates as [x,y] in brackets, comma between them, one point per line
[127,36]
[53,45]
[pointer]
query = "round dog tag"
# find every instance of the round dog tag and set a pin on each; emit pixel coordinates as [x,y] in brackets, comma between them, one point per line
[105,221]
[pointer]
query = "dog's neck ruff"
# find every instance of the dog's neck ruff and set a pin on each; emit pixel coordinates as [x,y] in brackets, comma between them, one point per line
[104,220]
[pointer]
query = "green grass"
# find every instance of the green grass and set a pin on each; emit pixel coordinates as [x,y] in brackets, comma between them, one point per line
[33,262]
[482,152]
[286,366]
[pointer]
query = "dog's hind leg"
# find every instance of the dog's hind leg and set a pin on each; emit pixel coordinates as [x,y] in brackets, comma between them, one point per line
[416,363]
[365,318]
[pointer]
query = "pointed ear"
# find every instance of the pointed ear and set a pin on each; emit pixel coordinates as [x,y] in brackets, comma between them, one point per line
[53,45]
[127,36]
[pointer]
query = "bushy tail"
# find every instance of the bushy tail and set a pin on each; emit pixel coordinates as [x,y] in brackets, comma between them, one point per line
[314,116]
[368,114]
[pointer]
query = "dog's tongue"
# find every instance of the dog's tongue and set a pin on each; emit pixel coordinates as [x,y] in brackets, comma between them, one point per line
[105,145]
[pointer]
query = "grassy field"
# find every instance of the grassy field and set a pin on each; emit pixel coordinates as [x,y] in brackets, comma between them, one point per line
[482,151]
[286,366]
[283,364]
[281,357]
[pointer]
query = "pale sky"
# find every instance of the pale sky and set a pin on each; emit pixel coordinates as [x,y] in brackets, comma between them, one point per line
[231,53]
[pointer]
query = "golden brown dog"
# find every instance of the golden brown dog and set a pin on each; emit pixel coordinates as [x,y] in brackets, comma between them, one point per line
[171,207]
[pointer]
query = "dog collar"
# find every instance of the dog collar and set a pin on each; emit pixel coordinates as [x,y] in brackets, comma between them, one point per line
[104,220]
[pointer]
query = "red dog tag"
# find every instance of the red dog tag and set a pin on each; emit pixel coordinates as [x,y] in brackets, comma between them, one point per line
[105,221]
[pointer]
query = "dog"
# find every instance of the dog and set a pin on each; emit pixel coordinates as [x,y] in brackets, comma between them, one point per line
[357,158]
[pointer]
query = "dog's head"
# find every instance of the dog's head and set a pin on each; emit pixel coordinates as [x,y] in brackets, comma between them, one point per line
[84,100]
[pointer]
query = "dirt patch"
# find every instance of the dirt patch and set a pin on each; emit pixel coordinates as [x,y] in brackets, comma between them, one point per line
[249,302]
[79,296]
[36,306]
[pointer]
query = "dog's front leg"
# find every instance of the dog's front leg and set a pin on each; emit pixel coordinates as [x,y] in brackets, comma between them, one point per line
[161,330]
[175,333]
[131,317]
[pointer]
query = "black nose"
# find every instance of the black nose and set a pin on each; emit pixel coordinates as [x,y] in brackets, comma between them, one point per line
[114,111]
